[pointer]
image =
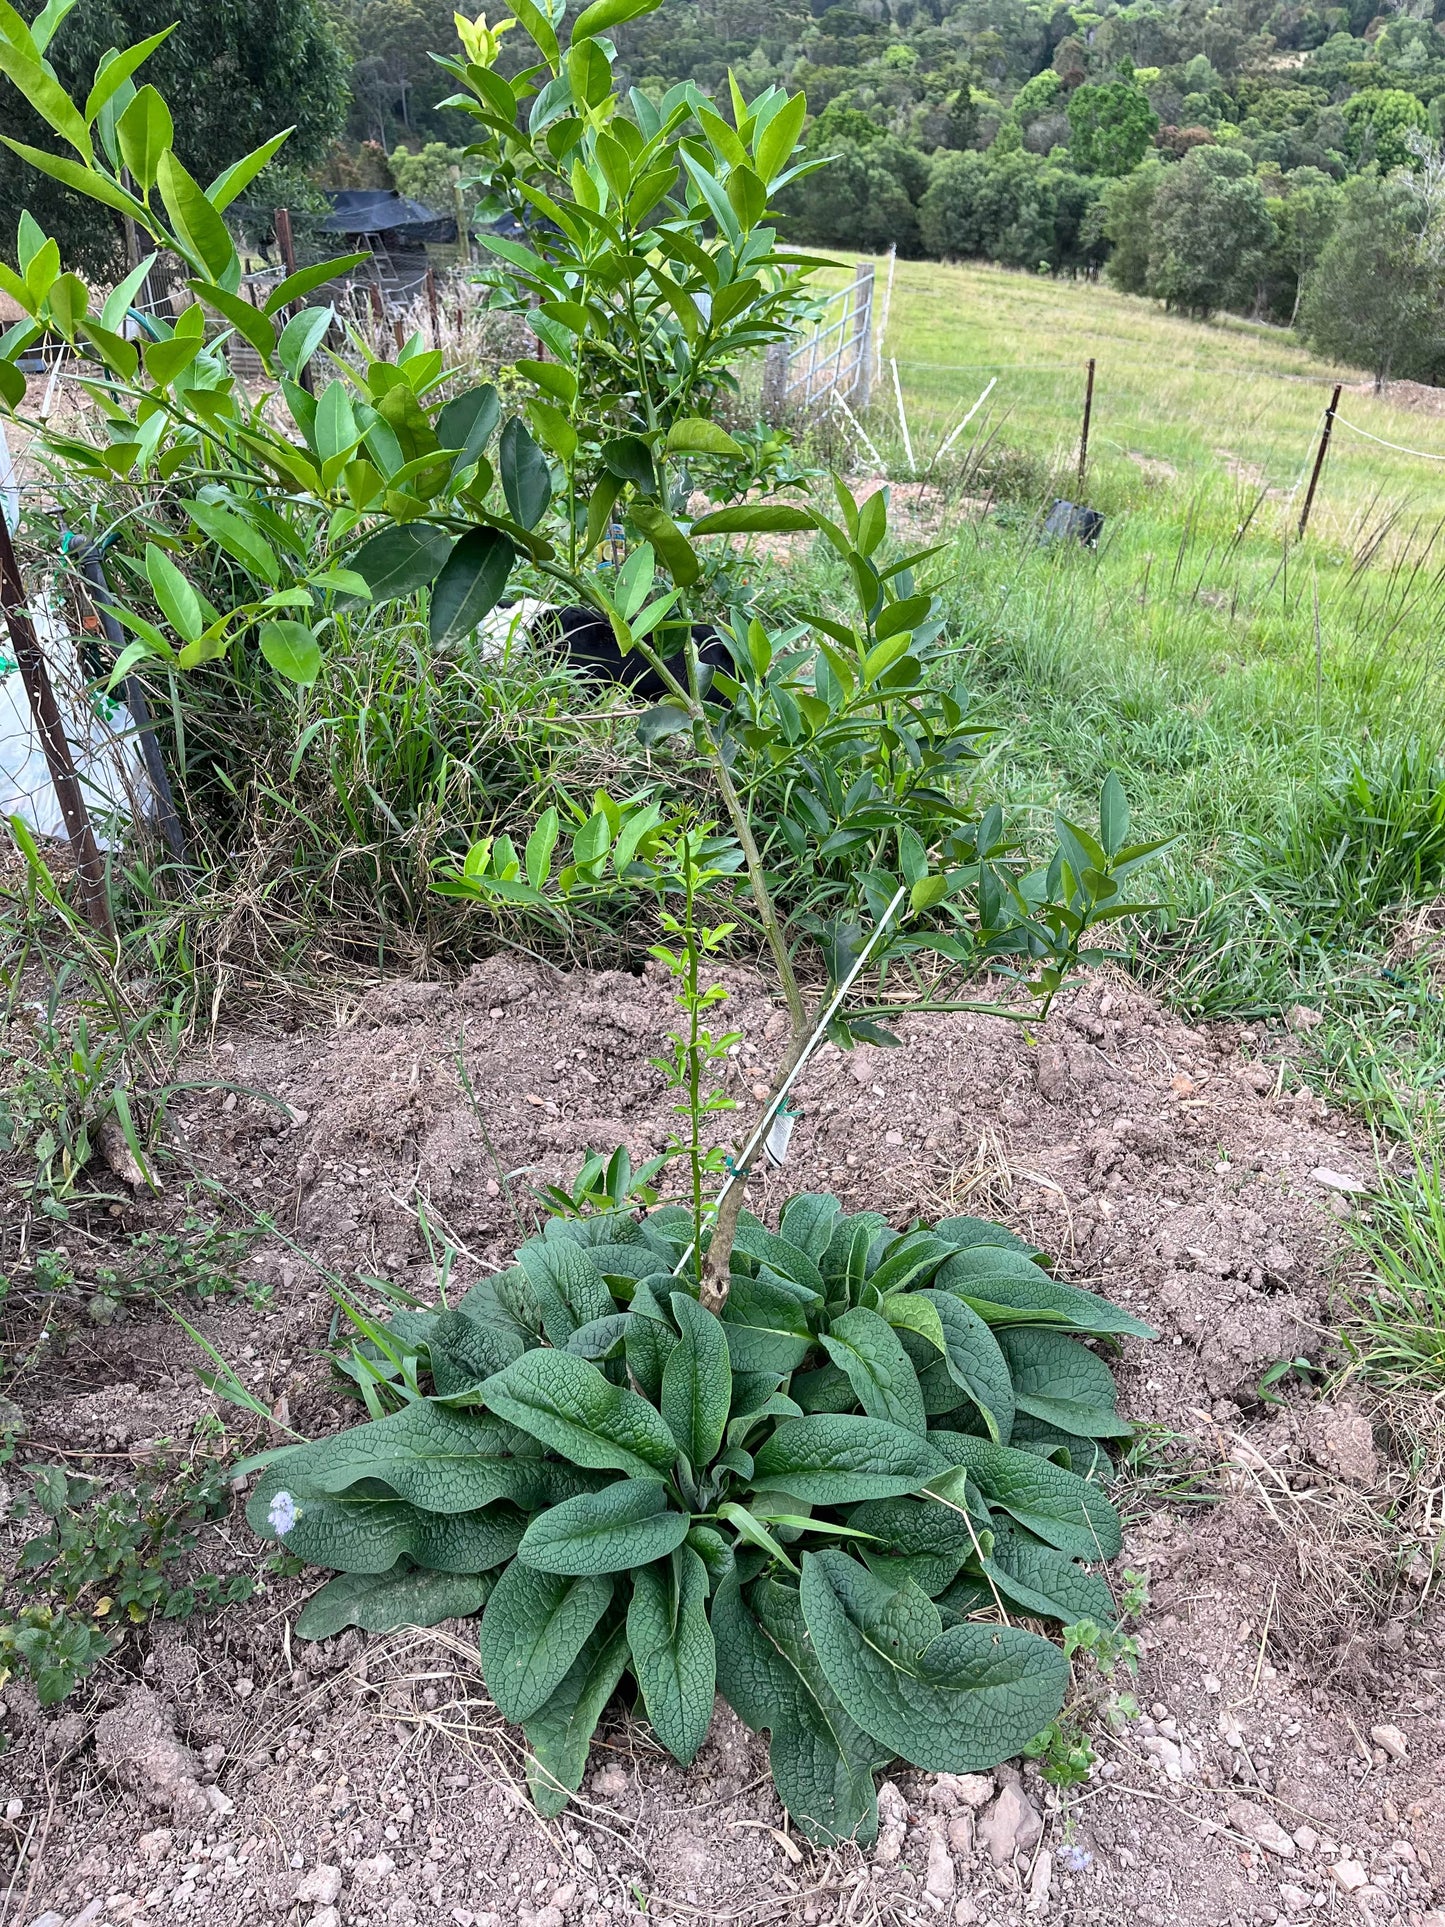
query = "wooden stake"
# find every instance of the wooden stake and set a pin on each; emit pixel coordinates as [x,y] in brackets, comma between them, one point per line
[43,707]
[433,308]
[378,313]
[286,243]
[1084,433]
[1320,454]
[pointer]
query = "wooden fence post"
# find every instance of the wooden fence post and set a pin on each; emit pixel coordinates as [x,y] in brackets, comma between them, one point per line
[1084,432]
[286,243]
[35,675]
[1320,454]
[433,307]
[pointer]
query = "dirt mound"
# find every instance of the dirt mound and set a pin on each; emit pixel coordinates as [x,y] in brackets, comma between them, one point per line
[1162,1164]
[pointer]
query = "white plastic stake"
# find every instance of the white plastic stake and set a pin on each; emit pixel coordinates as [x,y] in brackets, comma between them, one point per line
[945,445]
[903,417]
[9,483]
[840,401]
[883,317]
[743,1162]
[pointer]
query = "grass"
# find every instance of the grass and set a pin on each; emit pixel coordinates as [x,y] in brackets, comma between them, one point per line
[1234,403]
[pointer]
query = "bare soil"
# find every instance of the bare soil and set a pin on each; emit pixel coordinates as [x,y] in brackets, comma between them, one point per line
[1287,1763]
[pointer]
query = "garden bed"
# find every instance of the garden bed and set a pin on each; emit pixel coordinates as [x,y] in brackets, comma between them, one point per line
[1290,1608]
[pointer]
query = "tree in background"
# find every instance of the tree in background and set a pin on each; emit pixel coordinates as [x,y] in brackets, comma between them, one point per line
[1126,222]
[1382,121]
[396,85]
[1111,127]
[232,70]
[1374,298]
[1304,218]
[1016,208]
[426,176]
[1211,232]
[865,197]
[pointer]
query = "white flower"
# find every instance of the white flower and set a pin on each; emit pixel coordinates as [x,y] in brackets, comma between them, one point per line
[282,1514]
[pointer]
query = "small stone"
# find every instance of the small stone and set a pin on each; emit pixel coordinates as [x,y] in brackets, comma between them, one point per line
[1306,1839]
[1295,1899]
[1337,1180]
[941,1879]
[1258,1824]
[544,1917]
[960,1834]
[1039,1883]
[88,1915]
[892,1824]
[325,1917]
[895,1138]
[1348,1875]
[1301,1017]
[51,1919]
[961,1790]
[965,1911]
[321,1887]
[1176,1760]
[611,1782]
[13,1810]
[565,1897]
[1391,1739]
[1010,1826]
[244,1688]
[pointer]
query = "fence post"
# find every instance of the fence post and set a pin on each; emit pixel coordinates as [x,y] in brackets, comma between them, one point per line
[862,388]
[286,243]
[1084,433]
[43,707]
[1320,454]
[433,308]
[459,212]
[378,314]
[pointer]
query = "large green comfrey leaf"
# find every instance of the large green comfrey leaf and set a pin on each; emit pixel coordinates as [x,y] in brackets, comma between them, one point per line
[1007,1288]
[384,1602]
[822,1761]
[672,1649]
[868,1350]
[461,1352]
[697,1382]
[1057,1380]
[535,1625]
[568,1405]
[834,1460]
[369,1535]
[569,1289]
[626,1524]
[560,1731]
[1057,1506]
[951,1701]
[436,1458]
[973,1361]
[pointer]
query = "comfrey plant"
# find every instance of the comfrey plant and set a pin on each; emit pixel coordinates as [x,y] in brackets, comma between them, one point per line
[831,1500]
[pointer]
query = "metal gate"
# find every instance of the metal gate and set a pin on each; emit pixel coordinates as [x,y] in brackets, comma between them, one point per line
[833,358]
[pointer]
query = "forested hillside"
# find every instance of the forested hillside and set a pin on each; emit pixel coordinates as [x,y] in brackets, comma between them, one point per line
[1263,156]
